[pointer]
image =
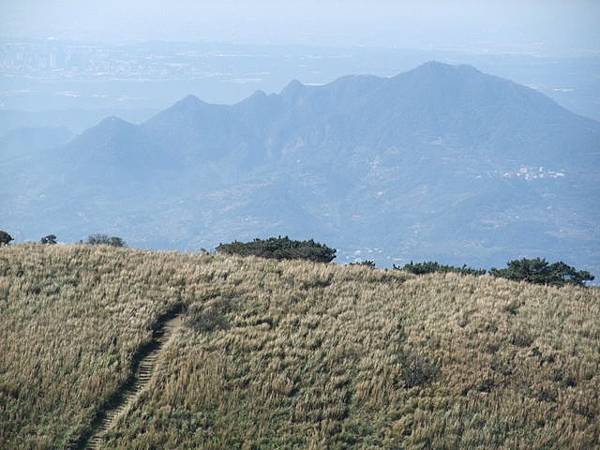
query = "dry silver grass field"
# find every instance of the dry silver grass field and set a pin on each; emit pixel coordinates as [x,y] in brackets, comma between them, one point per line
[292,354]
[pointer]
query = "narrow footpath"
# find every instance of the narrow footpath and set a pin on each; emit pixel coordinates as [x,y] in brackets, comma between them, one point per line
[143,367]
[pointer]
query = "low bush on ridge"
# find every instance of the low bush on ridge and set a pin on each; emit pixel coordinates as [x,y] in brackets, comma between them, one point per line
[540,271]
[535,271]
[435,267]
[366,263]
[104,239]
[280,248]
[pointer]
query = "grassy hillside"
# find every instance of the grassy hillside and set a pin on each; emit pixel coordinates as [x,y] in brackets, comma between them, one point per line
[292,354]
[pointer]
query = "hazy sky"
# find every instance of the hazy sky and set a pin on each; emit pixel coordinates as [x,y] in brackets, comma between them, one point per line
[540,26]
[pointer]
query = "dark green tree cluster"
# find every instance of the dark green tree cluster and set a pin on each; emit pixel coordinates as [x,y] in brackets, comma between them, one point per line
[366,263]
[426,267]
[540,271]
[5,238]
[104,239]
[535,270]
[50,239]
[280,248]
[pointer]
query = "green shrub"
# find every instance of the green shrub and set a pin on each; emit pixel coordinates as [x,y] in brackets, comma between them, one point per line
[367,263]
[5,238]
[539,271]
[104,239]
[50,239]
[280,248]
[433,267]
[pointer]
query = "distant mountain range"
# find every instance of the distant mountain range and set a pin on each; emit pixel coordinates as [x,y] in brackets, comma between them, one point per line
[442,162]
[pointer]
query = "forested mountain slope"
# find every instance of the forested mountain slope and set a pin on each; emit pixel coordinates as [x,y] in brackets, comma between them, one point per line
[442,162]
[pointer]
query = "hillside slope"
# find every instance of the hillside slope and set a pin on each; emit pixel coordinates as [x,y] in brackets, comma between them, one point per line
[291,354]
[442,162]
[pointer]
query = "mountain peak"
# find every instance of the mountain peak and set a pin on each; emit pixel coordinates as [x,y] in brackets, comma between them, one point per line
[437,67]
[189,106]
[189,101]
[113,123]
[257,97]
[293,88]
[258,94]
